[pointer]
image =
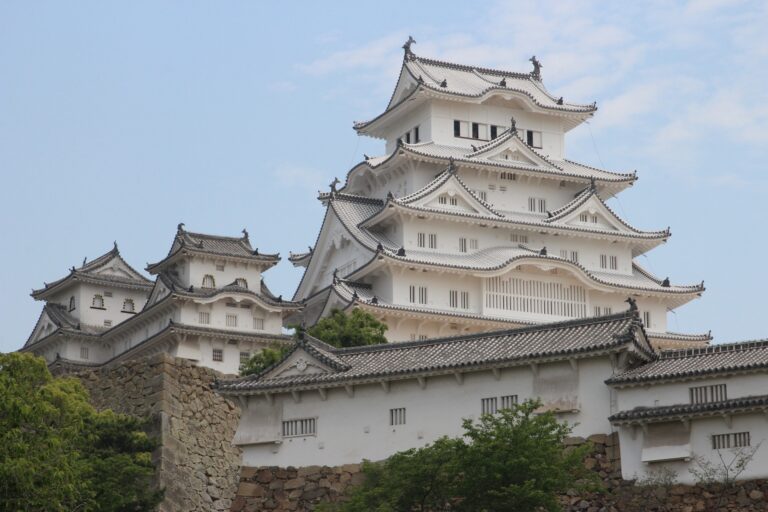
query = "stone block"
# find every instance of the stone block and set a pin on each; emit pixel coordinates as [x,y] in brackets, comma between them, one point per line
[294,483]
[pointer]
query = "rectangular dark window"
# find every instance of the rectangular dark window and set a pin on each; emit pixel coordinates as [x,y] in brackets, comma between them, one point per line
[457,128]
[475,131]
[416,136]
[407,137]
[529,137]
[494,131]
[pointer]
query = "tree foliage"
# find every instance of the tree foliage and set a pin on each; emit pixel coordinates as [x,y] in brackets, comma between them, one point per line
[511,461]
[265,358]
[353,329]
[58,453]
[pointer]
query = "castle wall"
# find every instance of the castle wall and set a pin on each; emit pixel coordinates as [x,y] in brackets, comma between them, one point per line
[196,462]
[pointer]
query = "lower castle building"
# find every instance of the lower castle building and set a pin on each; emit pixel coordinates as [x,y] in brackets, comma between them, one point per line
[672,410]
[208,303]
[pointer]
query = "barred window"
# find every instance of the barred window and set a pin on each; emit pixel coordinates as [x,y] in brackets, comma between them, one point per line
[647,319]
[421,240]
[83,352]
[220,267]
[218,355]
[489,405]
[258,323]
[244,357]
[432,241]
[97,302]
[397,416]
[204,317]
[462,244]
[707,394]
[523,239]
[300,427]
[129,306]
[241,282]
[464,300]
[508,401]
[231,320]
[422,294]
[734,440]
[209,281]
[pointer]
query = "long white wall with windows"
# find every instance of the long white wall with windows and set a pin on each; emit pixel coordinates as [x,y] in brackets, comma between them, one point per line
[372,422]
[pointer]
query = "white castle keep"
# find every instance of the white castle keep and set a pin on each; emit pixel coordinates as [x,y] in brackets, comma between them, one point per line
[475,220]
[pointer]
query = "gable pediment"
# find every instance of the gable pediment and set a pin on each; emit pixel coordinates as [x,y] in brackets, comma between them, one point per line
[298,363]
[593,214]
[511,150]
[513,155]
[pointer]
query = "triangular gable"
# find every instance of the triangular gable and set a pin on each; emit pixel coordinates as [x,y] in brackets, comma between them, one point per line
[298,363]
[45,326]
[592,213]
[406,82]
[113,265]
[449,193]
[511,149]
[160,291]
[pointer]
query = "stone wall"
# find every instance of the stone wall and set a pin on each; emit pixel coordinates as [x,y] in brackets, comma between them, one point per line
[197,464]
[299,489]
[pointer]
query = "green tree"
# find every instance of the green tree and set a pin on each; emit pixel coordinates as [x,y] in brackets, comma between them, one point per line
[58,453]
[265,358]
[349,330]
[511,461]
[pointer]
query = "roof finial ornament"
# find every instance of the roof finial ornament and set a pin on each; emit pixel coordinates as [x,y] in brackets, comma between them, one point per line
[560,100]
[374,300]
[366,157]
[592,185]
[72,269]
[311,249]
[354,295]
[180,228]
[334,183]
[632,303]
[85,259]
[451,166]
[401,251]
[256,251]
[409,55]
[512,126]
[245,233]
[444,83]
[114,245]
[503,82]
[543,251]
[379,247]
[390,195]
[536,73]
[335,275]
[665,282]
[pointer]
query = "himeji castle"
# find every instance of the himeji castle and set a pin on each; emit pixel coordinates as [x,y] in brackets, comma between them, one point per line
[208,303]
[474,219]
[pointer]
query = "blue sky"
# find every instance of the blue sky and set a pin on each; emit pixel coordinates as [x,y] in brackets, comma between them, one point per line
[119,120]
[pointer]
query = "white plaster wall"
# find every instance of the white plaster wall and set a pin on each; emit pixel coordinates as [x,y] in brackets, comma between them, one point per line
[416,117]
[245,312]
[674,393]
[200,350]
[700,446]
[113,305]
[199,267]
[443,113]
[350,429]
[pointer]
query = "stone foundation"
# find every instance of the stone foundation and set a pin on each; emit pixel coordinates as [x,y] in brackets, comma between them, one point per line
[300,489]
[197,464]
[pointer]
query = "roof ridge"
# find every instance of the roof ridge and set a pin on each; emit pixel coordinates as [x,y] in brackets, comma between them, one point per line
[738,346]
[465,67]
[565,324]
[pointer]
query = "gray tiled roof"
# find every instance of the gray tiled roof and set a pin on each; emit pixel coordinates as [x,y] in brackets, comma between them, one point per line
[264,294]
[353,210]
[554,167]
[88,272]
[494,349]
[694,362]
[235,247]
[441,77]
[526,219]
[668,412]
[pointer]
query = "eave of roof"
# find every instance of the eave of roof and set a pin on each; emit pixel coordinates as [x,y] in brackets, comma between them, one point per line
[627,330]
[641,415]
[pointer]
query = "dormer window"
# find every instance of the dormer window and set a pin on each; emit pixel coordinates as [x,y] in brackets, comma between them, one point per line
[241,282]
[97,302]
[496,131]
[209,281]
[72,303]
[129,306]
